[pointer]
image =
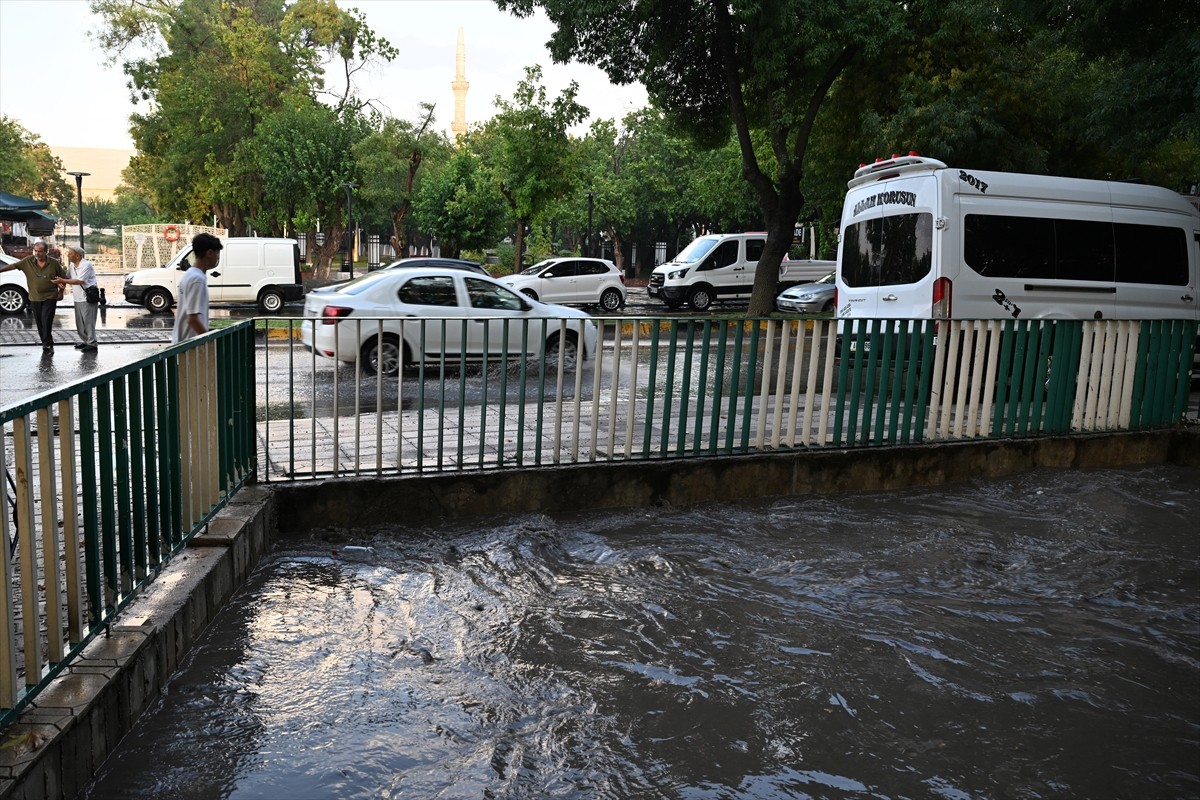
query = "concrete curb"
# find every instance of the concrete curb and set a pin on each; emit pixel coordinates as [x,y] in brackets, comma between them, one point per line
[60,740]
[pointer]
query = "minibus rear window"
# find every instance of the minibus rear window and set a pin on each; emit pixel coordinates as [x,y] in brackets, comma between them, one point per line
[888,251]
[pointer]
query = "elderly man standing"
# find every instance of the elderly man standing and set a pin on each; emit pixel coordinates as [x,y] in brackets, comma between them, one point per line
[44,294]
[86,294]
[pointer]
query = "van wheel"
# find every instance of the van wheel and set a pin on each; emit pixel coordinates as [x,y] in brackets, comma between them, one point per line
[270,301]
[158,301]
[12,300]
[700,298]
[610,300]
[382,359]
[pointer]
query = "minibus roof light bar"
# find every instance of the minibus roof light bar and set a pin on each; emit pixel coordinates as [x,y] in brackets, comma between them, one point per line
[892,167]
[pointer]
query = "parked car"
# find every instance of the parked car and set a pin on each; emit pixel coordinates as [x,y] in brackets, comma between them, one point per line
[576,281]
[14,289]
[394,318]
[808,298]
[446,263]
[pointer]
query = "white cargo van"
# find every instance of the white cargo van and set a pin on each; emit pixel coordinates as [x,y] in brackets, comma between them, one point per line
[721,266]
[251,270]
[922,240]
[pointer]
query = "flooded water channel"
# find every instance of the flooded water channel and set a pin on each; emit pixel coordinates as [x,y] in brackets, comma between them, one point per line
[1034,637]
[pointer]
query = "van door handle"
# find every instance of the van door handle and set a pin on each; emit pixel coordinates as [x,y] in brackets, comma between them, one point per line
[1187,298]
[889,297]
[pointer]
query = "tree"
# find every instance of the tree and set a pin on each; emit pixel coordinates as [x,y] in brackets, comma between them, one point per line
[738,63]
[528,151]
[29,169]
[460,205]
[305,152]
[389,160]
[216,70]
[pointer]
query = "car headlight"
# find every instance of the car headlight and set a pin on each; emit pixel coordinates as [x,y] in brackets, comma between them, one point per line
[677,274]
[804,298]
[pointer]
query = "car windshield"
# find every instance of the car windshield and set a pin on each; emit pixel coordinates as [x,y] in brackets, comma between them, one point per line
[695,251]
[827,279]
[538,267]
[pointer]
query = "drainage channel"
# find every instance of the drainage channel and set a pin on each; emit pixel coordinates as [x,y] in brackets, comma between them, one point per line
[1030,636]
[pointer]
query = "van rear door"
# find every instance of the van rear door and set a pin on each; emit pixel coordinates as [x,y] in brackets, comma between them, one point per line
[230,281]
[885,257]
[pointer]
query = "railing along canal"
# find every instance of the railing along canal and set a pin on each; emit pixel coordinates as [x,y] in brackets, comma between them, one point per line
[134,463]
[699,387]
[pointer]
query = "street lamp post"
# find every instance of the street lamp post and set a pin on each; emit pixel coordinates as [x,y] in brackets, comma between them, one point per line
[79,195]
[350,187]
[587,250]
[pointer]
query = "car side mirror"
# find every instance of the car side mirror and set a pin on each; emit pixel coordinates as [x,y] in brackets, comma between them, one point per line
[184,265]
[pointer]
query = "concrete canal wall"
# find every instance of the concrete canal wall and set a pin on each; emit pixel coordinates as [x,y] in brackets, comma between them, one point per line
[60,740]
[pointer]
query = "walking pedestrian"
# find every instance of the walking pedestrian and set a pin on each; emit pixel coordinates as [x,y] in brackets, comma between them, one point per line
[191,311]
[85,292]
[40,271]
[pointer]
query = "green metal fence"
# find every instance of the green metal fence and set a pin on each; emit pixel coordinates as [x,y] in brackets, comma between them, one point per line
[134,462]
[692,387]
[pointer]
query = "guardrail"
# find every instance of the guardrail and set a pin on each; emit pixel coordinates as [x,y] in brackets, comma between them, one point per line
[692,387]
[133,463]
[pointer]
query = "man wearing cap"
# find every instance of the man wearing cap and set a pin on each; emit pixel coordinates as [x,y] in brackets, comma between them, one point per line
[82,277]
[40,271]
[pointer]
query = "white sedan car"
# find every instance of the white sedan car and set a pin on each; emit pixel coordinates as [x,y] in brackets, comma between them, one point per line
[398,317]
[14,291]
[577,281]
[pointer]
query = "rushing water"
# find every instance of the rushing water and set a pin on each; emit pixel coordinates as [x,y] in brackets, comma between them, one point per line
[1036,637]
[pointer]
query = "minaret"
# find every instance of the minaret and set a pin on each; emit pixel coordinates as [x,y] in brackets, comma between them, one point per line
[459,126]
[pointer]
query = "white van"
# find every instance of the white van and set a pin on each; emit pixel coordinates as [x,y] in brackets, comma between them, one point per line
[721,266]
[922,240]
[251,270]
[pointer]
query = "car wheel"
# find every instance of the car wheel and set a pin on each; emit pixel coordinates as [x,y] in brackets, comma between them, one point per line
[270,301]
[700,298]
[530,293]
[828,306]
[12,300]
[158,301]
[570,354]
[382,358]
[611,300]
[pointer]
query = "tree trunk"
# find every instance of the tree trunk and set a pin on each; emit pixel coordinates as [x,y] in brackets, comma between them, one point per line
[618,254]
[322,256]
[519,247]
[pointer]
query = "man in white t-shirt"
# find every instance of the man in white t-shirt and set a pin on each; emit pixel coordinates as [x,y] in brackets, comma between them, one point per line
[81,276]
[191,310]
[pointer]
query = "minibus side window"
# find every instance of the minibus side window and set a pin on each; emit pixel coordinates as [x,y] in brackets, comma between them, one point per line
[1009,247]
[1083,250]
[1151,254]
[889,251]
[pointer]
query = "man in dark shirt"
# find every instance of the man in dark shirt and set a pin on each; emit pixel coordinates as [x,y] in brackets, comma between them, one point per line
[40,272]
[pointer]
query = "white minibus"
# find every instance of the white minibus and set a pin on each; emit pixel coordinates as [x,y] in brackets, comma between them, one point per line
[920,240]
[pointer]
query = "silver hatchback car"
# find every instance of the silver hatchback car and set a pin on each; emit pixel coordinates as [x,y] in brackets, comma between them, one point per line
[808,298]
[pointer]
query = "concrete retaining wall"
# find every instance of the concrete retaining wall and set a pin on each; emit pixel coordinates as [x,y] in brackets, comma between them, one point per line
[58,743]
[348,503]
